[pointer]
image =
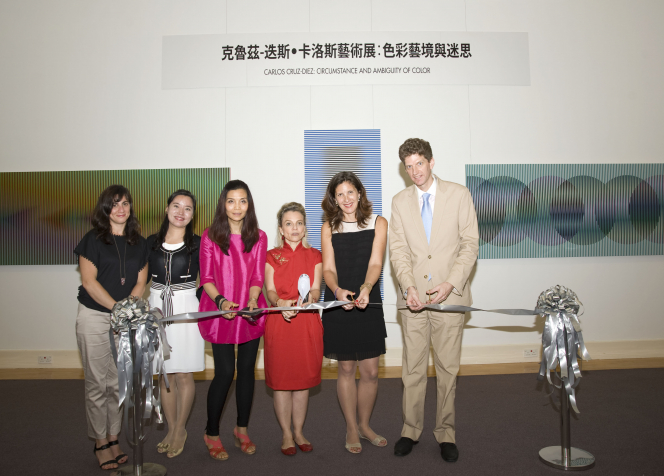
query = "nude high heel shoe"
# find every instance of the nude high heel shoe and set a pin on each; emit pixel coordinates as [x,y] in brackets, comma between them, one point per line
[172,452]
[378,441]
[355,448]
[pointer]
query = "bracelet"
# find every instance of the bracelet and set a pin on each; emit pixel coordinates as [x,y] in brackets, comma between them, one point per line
[366,285]
[335,294]
[219,301]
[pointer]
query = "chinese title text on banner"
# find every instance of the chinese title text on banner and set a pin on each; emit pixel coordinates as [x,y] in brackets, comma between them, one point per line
[302,59]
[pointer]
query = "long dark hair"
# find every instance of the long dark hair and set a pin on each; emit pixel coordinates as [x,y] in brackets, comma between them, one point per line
[100,216]
[220,231]
[333,213]
[189,241]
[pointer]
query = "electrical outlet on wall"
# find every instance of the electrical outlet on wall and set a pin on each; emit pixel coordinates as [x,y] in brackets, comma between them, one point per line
[43,359]
[531,353]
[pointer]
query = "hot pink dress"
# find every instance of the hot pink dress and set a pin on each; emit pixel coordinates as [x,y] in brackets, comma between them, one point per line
[233,275]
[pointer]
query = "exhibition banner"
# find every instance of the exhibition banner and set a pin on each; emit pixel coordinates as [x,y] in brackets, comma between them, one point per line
[310,59]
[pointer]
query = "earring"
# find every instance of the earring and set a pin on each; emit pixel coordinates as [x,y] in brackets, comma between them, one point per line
[336,203]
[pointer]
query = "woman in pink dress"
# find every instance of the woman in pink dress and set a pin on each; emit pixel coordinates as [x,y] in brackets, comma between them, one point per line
[232,259]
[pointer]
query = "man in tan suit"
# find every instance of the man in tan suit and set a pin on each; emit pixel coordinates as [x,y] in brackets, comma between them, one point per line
[433,247]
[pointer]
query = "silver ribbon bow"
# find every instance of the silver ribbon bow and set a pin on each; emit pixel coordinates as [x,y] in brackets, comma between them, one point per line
[136,358]
[562,339]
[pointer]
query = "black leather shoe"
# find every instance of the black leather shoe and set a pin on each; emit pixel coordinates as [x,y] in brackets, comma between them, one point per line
[449,452]
[404,446]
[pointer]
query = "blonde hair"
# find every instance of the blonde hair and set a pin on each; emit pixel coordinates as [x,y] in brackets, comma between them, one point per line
[291,207]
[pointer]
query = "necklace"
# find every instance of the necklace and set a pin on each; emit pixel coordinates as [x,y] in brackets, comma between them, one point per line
[122,273]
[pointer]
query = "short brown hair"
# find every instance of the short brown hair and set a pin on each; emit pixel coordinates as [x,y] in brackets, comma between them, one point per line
[415,146]
[333,213]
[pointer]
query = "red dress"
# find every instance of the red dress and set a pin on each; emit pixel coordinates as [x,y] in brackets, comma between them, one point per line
[293,350]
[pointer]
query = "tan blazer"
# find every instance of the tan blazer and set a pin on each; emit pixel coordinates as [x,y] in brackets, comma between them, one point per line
[452,252]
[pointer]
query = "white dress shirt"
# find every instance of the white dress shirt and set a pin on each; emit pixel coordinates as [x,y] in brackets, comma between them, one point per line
[432,196]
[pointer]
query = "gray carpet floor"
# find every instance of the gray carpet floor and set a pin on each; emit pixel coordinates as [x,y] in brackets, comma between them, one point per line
[502,423]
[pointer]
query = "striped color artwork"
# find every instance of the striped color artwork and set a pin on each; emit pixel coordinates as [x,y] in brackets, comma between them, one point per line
[328,152]
[43,215]
[542,211]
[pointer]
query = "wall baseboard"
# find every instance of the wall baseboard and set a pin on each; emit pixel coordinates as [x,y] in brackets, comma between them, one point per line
[638,349]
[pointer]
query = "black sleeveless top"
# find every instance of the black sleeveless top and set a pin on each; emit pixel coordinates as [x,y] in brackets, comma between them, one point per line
[357,334]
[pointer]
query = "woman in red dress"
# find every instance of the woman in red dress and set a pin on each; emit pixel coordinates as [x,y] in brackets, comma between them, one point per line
[293,340]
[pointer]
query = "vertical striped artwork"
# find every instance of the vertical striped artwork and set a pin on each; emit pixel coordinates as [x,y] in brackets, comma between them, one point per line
[542,211]
[328,152]
[43,215]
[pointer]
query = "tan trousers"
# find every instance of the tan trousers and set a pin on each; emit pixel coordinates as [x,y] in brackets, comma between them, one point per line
[101,373]
[443,330]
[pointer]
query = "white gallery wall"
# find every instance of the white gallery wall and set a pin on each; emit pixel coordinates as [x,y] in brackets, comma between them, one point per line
[80,89]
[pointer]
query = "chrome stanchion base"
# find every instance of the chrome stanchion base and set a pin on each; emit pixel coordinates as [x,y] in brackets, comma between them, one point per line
[580,459]
[149,469]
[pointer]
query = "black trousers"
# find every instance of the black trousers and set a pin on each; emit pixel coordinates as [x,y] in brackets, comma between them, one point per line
[224,369]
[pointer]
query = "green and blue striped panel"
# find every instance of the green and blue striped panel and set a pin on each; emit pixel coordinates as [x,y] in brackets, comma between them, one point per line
[43,215]
[563,210]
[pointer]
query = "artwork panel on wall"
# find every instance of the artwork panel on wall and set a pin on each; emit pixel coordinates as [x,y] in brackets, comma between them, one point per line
[568,210]
[43,215]
[328,152]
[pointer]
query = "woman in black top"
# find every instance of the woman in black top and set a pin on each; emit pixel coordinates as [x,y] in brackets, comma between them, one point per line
[173,265]
[353,242]
[112,258]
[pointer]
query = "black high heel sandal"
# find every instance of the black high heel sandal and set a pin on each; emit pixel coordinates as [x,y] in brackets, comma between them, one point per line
[110,461]
[121,455]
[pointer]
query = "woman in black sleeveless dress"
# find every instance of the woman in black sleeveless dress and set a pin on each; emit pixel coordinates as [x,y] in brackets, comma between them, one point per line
[353,242]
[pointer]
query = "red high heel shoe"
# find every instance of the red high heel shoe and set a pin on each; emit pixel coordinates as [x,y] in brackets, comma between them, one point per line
[290,451]
[244,443]
[305,448]
[215,448]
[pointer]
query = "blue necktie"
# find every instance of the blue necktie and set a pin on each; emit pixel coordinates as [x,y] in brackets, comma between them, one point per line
[427,216]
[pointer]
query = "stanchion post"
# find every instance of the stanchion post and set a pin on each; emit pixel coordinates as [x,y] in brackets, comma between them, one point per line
[564,456]
[565,434]
[138,412]
[138,468]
